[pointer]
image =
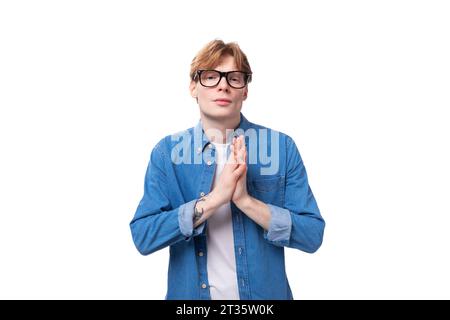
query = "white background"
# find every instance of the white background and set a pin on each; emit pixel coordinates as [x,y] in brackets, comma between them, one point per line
[88,87]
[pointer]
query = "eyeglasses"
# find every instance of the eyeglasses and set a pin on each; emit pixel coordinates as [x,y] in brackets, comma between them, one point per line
[235,79]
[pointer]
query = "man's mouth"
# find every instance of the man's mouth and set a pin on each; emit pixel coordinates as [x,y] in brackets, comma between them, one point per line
[222,102]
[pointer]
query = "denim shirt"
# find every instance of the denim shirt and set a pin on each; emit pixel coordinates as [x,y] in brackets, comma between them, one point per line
[181,170]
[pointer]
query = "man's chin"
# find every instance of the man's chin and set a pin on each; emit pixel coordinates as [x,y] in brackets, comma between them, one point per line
[222,113]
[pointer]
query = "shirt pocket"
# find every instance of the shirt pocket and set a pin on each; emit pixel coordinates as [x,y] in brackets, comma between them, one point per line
[268,189]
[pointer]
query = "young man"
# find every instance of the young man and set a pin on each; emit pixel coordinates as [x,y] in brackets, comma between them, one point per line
[227,195]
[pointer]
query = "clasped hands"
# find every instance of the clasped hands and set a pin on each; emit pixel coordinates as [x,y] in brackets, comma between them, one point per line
[231,184]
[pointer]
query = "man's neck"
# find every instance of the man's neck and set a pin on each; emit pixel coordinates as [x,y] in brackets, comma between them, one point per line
[217,130]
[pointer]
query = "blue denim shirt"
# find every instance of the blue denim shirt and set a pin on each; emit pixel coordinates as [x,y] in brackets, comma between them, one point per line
[181,170]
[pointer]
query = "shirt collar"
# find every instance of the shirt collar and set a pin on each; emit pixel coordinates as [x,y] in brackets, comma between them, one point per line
[243,125]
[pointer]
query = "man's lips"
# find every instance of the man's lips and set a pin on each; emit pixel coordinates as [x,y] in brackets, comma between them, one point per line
[222,102]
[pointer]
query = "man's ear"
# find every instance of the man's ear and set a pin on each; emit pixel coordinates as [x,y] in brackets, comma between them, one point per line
[193,89]
[245,93]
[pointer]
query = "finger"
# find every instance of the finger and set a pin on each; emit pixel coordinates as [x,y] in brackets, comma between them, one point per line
[232,156]
[235,148]
[243,144]
[230,166]
[238,156]
[241,155]
[239,170]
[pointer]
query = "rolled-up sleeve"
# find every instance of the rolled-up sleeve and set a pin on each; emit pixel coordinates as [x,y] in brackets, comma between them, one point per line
[280,226]
[185,220]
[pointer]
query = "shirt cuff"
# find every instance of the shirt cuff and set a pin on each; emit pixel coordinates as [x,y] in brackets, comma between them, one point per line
[185,220]
[280,226]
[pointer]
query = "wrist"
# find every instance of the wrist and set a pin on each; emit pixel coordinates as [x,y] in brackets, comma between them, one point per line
[214,199]
[244,202]
[204,207]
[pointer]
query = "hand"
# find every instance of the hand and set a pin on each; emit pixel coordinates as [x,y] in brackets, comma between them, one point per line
[240,154]
[232,171]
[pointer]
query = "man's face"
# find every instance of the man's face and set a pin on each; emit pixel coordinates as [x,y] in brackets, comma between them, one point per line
[222,101]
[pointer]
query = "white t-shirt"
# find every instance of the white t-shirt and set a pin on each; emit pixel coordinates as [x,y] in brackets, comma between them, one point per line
[221,261]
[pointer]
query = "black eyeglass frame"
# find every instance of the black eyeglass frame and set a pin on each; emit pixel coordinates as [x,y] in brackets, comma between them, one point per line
[247,77]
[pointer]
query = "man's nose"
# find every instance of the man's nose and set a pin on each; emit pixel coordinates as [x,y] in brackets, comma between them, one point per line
[223,84]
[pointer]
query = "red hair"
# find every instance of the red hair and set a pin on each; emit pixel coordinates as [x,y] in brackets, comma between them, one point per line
[211,55]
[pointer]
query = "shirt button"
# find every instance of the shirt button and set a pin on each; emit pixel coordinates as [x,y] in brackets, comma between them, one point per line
[199,150]
[202,194]
[203,286]
[209,162]
[200,254]
[240,250]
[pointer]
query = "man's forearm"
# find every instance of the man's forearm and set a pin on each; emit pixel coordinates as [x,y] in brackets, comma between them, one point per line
[256,210]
